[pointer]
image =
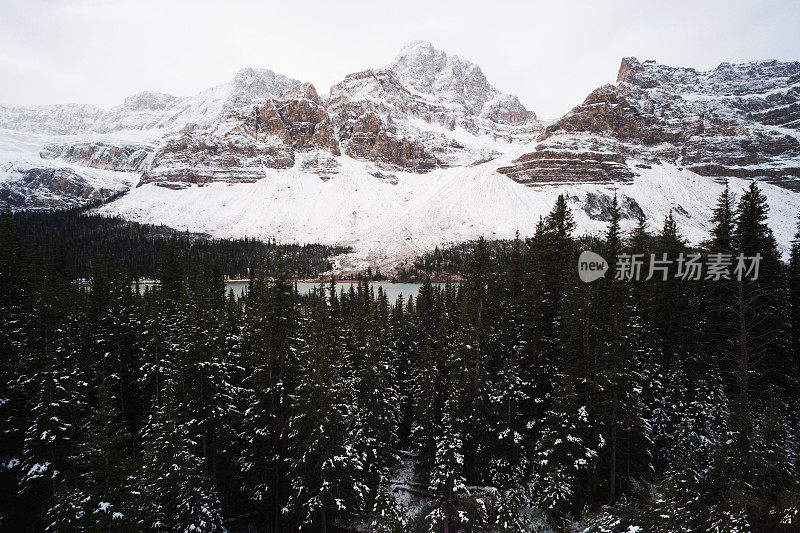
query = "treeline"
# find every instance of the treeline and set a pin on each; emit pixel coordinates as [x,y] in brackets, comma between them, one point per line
[87,238]
[450,261]
[525,399]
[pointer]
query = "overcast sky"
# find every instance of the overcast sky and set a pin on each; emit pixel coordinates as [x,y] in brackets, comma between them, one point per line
[550,54]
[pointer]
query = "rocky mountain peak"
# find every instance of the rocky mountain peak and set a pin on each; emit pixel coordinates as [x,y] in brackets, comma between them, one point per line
[628,69]
[733,121]
[418,64]
[407,114]
[253,85]
[430,71]
[727,79]
[303,91]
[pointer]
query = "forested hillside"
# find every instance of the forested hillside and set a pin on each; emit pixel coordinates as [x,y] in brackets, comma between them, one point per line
[87,238]
[522,399]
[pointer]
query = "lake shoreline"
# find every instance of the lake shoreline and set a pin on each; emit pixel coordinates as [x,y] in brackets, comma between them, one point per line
[392,289]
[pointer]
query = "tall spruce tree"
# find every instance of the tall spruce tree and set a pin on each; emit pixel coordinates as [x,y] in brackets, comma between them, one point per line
[551,252]
[376,401]
[271,340]
[324,466]
[469,367]
[618,382]
[15,324]
[430,387]
[793,277]
[108,467]
[174,492]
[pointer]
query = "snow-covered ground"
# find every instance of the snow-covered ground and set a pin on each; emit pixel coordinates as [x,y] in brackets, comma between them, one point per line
[387,223]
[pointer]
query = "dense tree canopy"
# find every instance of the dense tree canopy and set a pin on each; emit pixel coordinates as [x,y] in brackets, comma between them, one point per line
[519,399]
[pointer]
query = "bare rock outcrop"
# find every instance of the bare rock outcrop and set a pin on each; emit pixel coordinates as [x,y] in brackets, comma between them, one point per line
[736,120]
[126,158]
[51,188]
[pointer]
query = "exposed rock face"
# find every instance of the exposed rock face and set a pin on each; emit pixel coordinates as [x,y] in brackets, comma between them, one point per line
[305,120]
[406,114]
[50,188]
[548,166]
[598,206]
[368,137]
[366,127]
[236,155]
[128,158]
[736,120]
[426,109]
[238,149]
[319,162]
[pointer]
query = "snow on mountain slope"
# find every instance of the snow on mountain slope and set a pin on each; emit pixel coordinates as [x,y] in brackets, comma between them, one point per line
[388,223]
[31,181]
[734,121]
[420,153]
[155,113]
[69,155]
[427,109]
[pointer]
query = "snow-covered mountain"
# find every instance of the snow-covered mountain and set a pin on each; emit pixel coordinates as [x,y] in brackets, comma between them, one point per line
[427,110]
[158,112]
[734,121]
[424,151]
[98,153]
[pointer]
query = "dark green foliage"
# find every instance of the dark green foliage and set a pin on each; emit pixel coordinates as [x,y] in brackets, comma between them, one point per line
[140,247]
[518,399]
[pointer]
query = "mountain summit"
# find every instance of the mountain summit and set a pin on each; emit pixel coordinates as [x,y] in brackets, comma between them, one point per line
[734,121]
[398,159]
[457,83]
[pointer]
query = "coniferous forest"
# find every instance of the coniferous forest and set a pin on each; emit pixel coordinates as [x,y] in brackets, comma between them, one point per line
[138,247]
[520,399]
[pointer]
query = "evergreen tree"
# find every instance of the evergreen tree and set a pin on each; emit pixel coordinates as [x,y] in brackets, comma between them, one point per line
[175,494]
[509,463]
[793,277]
[388,514]
[550,256]
[324,466]
[565,456]
[761,347]
[15,324]
[469,368]
[271,338]
[207,374]
[723,220]
[448,483]
[376,405]
[50,455]
[430,388]
[108,467]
